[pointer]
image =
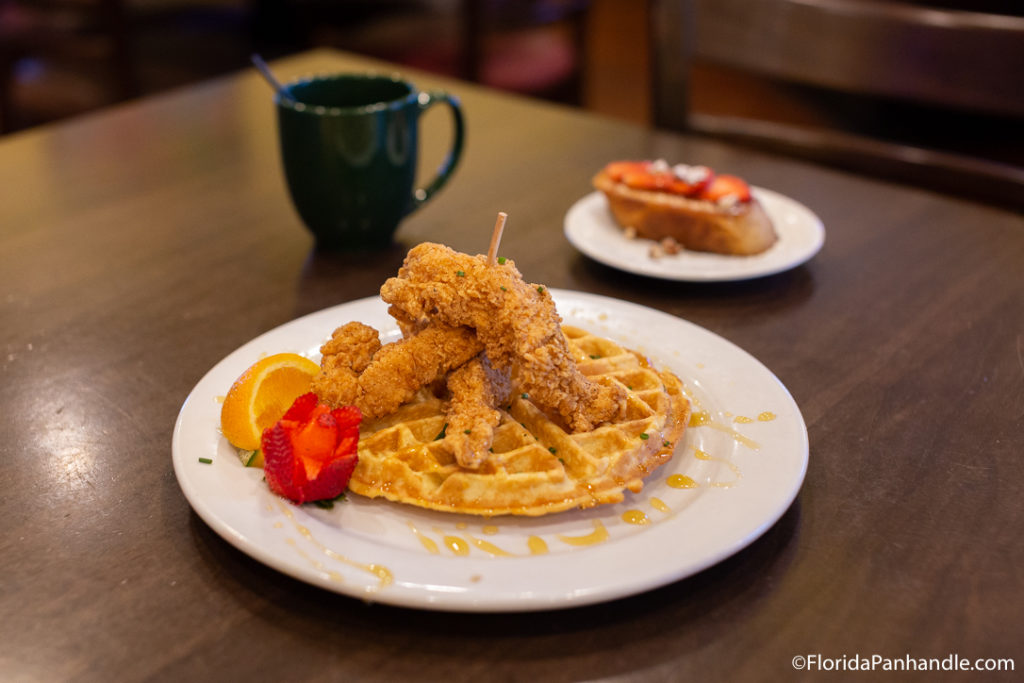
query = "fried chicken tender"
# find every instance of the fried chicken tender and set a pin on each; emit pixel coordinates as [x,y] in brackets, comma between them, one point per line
[476,390]
[517,323]
[344,356]
[407,325]
[400,368]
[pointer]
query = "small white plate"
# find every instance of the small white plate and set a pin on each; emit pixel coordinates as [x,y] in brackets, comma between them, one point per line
[591,228]
[745,455]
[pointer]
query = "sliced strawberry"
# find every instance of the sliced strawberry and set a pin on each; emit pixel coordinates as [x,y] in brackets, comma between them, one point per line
[642,180]
[301,408]
[723,185]
[315,439]
[332,480]
[279,464]
[681,187]
[617,169]
[658,176]
[690,181]
[348,417]
[311,452]
[654,181]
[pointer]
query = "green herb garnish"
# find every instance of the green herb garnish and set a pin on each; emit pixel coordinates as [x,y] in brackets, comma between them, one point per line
[327,504]
[206,461]
[441,434]
[501,261]
[644,436]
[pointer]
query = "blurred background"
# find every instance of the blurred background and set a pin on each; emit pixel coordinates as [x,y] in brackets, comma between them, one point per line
[900,72]
[64,57]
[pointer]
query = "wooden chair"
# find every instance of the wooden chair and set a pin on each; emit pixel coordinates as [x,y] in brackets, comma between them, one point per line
[918,94]
[551,73]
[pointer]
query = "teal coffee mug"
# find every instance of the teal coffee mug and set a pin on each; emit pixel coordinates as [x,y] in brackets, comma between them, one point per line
[349,147]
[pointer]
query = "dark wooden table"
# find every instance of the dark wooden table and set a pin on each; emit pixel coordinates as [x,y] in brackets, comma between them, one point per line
[141,245]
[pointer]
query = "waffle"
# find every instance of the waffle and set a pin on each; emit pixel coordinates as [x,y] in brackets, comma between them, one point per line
[535,466]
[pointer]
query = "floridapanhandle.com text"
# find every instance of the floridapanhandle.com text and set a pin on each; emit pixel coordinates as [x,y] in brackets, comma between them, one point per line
[876,662]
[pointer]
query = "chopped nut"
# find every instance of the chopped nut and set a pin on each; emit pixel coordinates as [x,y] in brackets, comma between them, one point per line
[656,251]
[630,232]
[671,246]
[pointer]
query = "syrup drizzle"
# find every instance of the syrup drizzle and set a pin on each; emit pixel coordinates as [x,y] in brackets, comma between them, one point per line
[461,545]
[681,481]
[598,535]
[635,517]
[702,418]
[383,574]
[537,545]
[488,547]
[766,416]
[701,455]
[425,540]
[458,546]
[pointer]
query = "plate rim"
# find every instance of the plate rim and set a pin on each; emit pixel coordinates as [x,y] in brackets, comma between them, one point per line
[506,603]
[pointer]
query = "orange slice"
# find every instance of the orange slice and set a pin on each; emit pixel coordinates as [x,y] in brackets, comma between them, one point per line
[261,396]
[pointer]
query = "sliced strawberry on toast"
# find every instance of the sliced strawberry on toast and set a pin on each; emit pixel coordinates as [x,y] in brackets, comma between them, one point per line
[724,185]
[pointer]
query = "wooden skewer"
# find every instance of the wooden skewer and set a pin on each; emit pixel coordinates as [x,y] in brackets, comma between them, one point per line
[499,227]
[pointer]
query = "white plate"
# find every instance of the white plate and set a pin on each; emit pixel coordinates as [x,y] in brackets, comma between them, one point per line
[591,228]
[748,463]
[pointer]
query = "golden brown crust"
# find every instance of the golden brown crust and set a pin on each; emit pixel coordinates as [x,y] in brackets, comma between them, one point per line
[477,389]
[698,225]
[516,321]
[344,356]
[398,370]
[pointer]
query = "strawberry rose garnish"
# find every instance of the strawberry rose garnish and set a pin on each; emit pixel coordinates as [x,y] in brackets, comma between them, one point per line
[310,453]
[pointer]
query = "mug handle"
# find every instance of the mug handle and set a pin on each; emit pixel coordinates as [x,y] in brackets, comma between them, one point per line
[421,196]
